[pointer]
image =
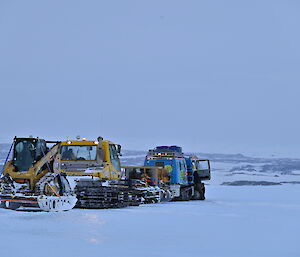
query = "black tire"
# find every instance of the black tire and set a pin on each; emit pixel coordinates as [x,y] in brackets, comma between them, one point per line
[196,195]
[202,192]
[199,193]
[165,196]
[190,193]
[186,194]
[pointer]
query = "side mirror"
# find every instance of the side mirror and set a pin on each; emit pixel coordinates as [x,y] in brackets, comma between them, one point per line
[119,150]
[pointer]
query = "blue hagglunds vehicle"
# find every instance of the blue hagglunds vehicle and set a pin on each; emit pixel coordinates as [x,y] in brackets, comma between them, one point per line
[185,172]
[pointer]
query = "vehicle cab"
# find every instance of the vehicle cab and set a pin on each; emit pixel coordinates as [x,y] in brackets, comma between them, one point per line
[99,158]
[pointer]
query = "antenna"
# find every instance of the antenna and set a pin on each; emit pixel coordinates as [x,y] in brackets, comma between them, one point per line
[100,124]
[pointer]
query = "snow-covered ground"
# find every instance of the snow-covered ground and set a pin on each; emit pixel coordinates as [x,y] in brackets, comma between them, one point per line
[233,221]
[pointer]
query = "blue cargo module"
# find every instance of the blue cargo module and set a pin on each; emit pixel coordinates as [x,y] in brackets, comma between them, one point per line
[185,172]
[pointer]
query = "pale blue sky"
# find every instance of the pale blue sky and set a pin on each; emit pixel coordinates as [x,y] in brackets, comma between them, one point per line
[212,76]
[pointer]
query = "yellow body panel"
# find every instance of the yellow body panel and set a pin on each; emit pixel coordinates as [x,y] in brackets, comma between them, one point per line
[107,172]
[35,173]
[154,172]
[78,142]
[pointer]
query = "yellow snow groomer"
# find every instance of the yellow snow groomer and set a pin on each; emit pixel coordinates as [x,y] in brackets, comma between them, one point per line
[93,169]
[97,159]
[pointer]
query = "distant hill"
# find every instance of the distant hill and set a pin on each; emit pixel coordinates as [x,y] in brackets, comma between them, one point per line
[241,162]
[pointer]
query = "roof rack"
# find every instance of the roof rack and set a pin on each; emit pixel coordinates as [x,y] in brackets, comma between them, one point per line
[166,151]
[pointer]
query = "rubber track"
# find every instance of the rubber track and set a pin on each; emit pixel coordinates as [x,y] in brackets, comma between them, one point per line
[92,195]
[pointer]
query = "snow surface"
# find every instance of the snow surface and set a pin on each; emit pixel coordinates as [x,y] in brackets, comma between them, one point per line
[234,221]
